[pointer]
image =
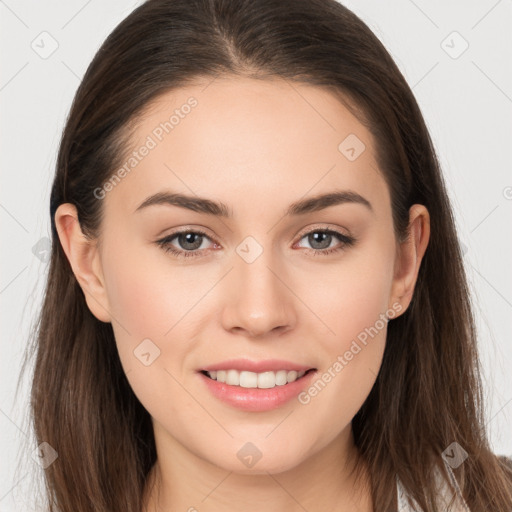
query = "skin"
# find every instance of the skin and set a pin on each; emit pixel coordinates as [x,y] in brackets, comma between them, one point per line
[257,146]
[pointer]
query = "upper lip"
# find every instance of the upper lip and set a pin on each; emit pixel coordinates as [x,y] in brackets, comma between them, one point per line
[256,366]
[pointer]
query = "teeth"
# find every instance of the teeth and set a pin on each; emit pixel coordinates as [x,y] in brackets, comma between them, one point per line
[232,378]
[264,380]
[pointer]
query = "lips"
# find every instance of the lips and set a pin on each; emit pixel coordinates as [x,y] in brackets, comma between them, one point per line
[255,399]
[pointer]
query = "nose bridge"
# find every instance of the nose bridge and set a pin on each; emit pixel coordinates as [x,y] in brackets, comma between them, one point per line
[260,302]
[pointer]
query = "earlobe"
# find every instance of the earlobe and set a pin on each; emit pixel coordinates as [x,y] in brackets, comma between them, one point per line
[84,259]
[410,254]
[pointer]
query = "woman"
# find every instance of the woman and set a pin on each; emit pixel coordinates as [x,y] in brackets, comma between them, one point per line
[249,369]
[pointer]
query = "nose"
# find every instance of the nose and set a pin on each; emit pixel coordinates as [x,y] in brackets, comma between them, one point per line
[259,299]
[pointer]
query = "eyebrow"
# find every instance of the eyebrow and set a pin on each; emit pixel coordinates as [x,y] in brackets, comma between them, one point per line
[219,209]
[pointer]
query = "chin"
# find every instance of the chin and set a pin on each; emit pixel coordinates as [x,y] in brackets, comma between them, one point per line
[261,464]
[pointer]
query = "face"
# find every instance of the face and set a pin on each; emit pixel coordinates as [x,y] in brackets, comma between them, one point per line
[303,288]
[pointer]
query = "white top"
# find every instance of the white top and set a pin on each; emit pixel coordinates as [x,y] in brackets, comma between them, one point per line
[445,494]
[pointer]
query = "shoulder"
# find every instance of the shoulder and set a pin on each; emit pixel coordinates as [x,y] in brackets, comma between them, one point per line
[505,460]
[506,463]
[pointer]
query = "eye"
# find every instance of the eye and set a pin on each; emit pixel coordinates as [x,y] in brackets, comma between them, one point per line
[191,241]
[321,240]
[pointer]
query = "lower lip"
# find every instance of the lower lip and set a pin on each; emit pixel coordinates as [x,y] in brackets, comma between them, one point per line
[256,399]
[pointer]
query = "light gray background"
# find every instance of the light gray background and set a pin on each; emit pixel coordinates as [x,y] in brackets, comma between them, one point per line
[466,101]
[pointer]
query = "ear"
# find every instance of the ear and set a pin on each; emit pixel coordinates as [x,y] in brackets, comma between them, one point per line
[84,258]
[409,256]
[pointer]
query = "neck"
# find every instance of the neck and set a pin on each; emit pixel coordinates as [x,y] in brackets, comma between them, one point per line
[180,480]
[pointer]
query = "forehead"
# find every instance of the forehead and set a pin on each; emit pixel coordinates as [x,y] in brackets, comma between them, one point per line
[240,139]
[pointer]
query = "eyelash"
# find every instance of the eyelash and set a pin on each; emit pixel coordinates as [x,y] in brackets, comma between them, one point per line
[165,243]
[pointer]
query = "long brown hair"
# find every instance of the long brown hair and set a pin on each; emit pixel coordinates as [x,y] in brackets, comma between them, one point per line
[428,392]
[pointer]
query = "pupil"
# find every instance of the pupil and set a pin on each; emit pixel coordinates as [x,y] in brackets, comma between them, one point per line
[317,235]
[188,238]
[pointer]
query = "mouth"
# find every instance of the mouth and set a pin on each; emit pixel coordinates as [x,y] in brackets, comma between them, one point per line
[262,380]
[256,386]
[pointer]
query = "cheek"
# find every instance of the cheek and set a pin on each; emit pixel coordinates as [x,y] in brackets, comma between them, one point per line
[155,307]
[148,333]
[144,310]
[353,303]
[146,296]
[354,310]
[352,296]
